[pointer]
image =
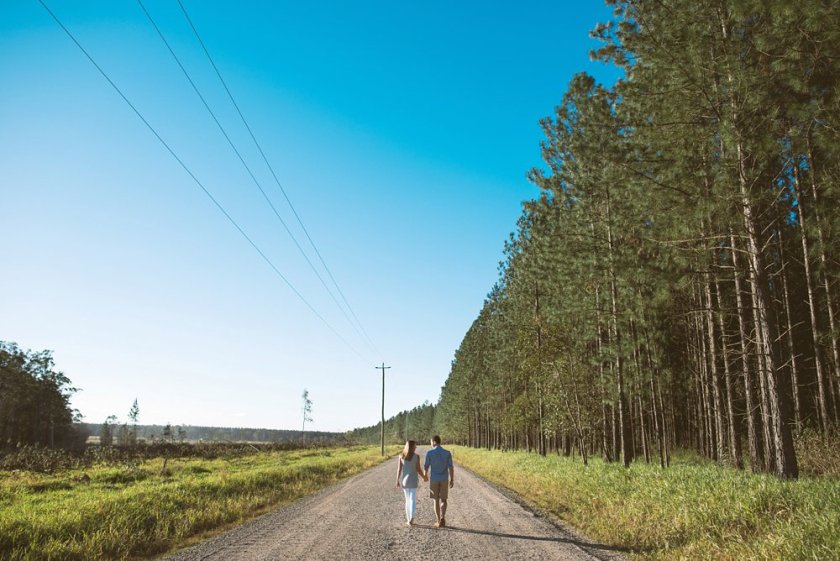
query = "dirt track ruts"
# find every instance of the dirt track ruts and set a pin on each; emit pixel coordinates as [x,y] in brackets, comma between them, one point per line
[362,518]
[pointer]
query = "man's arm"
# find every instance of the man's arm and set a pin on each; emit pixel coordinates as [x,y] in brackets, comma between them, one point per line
[451,472]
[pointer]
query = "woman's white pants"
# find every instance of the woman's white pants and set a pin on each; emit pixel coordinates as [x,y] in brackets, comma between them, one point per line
[410,500]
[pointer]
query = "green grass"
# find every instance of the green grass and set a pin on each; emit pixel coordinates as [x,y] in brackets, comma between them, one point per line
[129,512]
[692,510]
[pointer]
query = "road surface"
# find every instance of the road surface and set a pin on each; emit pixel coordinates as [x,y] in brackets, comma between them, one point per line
[362,519]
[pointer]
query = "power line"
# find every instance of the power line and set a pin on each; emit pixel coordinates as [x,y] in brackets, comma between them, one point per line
[195,179]
[244,164]
[274,175]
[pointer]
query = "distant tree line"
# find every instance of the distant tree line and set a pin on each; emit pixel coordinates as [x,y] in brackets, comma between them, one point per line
[417,424]
[34,401]
[125,434]
[676,283]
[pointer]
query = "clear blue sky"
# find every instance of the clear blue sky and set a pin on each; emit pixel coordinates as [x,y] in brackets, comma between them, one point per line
[401,131]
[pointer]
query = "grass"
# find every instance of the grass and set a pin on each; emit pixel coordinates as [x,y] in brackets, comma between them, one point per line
[692,510]
[124,512]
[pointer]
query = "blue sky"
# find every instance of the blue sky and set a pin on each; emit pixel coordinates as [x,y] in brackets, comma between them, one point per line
[402,133]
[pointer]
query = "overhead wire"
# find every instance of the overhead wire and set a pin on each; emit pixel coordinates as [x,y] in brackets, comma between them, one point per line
[273,173]
[196,180]
[244,164]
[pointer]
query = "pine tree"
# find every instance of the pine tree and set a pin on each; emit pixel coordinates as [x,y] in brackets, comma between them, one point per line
[307,409]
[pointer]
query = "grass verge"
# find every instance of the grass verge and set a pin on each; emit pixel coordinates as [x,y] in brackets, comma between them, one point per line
[692,510]
[137,511]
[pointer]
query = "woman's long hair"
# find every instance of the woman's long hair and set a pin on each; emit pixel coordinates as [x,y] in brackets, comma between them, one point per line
[408,451]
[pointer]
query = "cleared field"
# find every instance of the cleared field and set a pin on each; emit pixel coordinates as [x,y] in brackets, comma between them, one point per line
[692,510]
[144,509]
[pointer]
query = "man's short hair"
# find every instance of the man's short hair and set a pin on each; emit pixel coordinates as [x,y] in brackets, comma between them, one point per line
[436,439]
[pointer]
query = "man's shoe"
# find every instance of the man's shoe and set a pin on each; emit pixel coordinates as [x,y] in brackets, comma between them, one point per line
[443,522]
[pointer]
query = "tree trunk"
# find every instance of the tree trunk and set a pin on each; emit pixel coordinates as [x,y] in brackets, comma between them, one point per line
[637,360]
[658,415]
[734,432]
[709,447]
[784,454]
[812,305]
[643,430]
[718,409]
[829,303]
[538,321]
[606,430]
[666,444]
[703,433]
[757,457]
[794,370]
[623,414]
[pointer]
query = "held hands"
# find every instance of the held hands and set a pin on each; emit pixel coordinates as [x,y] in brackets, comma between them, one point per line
[451,483]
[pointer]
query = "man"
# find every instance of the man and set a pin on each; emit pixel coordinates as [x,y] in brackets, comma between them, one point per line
[440,472]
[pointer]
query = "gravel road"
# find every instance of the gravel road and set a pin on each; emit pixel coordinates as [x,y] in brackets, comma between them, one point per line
[362,518]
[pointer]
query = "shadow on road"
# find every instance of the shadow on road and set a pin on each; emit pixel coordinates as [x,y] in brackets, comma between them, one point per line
[578,543]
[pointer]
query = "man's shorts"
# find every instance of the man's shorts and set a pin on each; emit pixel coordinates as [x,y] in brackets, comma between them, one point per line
[439,490]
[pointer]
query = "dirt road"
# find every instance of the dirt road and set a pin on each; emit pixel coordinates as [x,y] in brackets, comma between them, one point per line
[362,518]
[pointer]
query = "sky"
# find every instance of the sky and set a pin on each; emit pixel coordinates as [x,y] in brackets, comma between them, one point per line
[402,133]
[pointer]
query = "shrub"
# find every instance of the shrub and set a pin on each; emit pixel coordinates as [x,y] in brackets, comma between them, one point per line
[818,453]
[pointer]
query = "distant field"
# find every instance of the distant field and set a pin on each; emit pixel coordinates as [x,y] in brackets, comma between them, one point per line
[692,510]
[109,512]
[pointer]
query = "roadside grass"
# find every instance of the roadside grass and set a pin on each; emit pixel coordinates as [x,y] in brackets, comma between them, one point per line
[134,511]
[692,510]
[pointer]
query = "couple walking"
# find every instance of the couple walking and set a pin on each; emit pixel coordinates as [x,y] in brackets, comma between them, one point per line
[438,470]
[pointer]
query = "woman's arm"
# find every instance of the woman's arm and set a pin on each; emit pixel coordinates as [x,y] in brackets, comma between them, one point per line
[399,471]
[420,470]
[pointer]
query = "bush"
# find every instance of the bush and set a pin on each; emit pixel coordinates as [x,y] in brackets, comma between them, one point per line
[43,460]
[818,454]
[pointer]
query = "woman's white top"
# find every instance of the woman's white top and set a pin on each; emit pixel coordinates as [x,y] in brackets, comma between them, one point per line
[410,478]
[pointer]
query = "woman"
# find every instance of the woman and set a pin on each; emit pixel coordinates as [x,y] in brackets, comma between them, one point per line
[408,474]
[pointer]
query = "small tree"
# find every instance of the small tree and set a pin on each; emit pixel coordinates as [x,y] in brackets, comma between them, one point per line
[307,408]
[133,415]
[106,435]
[123,435]
[167,432]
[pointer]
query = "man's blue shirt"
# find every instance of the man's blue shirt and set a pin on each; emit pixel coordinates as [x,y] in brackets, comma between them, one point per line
[440,460]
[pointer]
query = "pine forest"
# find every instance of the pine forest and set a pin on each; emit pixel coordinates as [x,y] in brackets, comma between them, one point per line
[675,285]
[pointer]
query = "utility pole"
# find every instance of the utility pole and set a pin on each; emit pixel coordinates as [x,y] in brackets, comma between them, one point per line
[382,431]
